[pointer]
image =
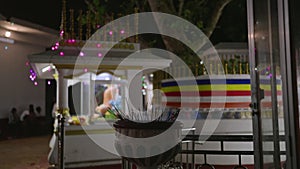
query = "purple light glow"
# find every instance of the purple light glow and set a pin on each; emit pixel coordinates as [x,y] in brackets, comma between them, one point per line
[81,54]
[85,70]
[61,33]
[110,32]
[53,48]
[35,83]
[61,53]
[98,45]
[99,55]
[49,82]
[122,31]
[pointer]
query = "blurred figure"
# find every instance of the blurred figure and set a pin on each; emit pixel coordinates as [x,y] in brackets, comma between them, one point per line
[13,122]
[38,111]
[28,119]
[110,97]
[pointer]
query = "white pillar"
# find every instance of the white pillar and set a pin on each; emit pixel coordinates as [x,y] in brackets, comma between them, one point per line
[134,89]
[62,90]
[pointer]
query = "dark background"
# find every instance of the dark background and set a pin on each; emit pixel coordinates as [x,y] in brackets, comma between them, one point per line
[232,26]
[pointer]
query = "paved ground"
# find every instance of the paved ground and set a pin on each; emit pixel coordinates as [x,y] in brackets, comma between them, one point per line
[25,153]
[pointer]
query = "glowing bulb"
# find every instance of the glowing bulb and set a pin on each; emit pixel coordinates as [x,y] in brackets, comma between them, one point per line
[98,45]
[61,53]
[85,69]
[81,54]
[7,34]
[35,83]
[122,31]
[99,55]
[49,82]
[110,32]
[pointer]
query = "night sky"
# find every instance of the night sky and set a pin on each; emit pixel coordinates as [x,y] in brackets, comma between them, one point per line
[48,13]
[42,12]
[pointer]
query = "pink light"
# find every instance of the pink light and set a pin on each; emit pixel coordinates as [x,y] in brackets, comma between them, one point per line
[49,82]
[98,45]
[85,70]
[110,32]
[73,40]
[81,54]
[27,63]
[53,48]
[61,33]
[56,44]
[99,55]
[61,53]
[35,83]
[122,31]
[69,41]
[98,26]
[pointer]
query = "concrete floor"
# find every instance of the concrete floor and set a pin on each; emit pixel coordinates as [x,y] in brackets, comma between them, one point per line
[25,153]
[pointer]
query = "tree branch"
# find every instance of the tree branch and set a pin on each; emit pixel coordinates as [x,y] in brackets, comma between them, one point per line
[180,7]
[215,16]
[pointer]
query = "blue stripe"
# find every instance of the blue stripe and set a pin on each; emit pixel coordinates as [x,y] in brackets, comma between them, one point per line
[206,82]
[213,81]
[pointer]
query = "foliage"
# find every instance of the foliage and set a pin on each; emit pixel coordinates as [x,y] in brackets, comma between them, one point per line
[205,14]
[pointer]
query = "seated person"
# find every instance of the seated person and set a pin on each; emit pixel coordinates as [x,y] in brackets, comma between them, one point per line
[110,97]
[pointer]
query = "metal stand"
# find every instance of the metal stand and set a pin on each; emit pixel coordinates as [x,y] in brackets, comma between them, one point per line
[61,134]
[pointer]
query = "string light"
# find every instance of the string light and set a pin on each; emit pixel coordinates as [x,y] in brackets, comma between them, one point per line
[81,54]
[7,34]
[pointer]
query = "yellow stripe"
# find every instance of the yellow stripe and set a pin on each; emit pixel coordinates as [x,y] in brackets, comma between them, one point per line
[83,132]
[268,87]
[207,88]
[231,87]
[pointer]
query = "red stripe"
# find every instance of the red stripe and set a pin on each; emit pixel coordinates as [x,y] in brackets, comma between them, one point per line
[217,93]
[218,105]
[210,93]
[268,93]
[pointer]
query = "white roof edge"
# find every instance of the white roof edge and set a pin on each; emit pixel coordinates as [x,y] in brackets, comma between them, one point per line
[33,25]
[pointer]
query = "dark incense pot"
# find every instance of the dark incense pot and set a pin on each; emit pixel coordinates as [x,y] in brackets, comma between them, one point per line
[130,151]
